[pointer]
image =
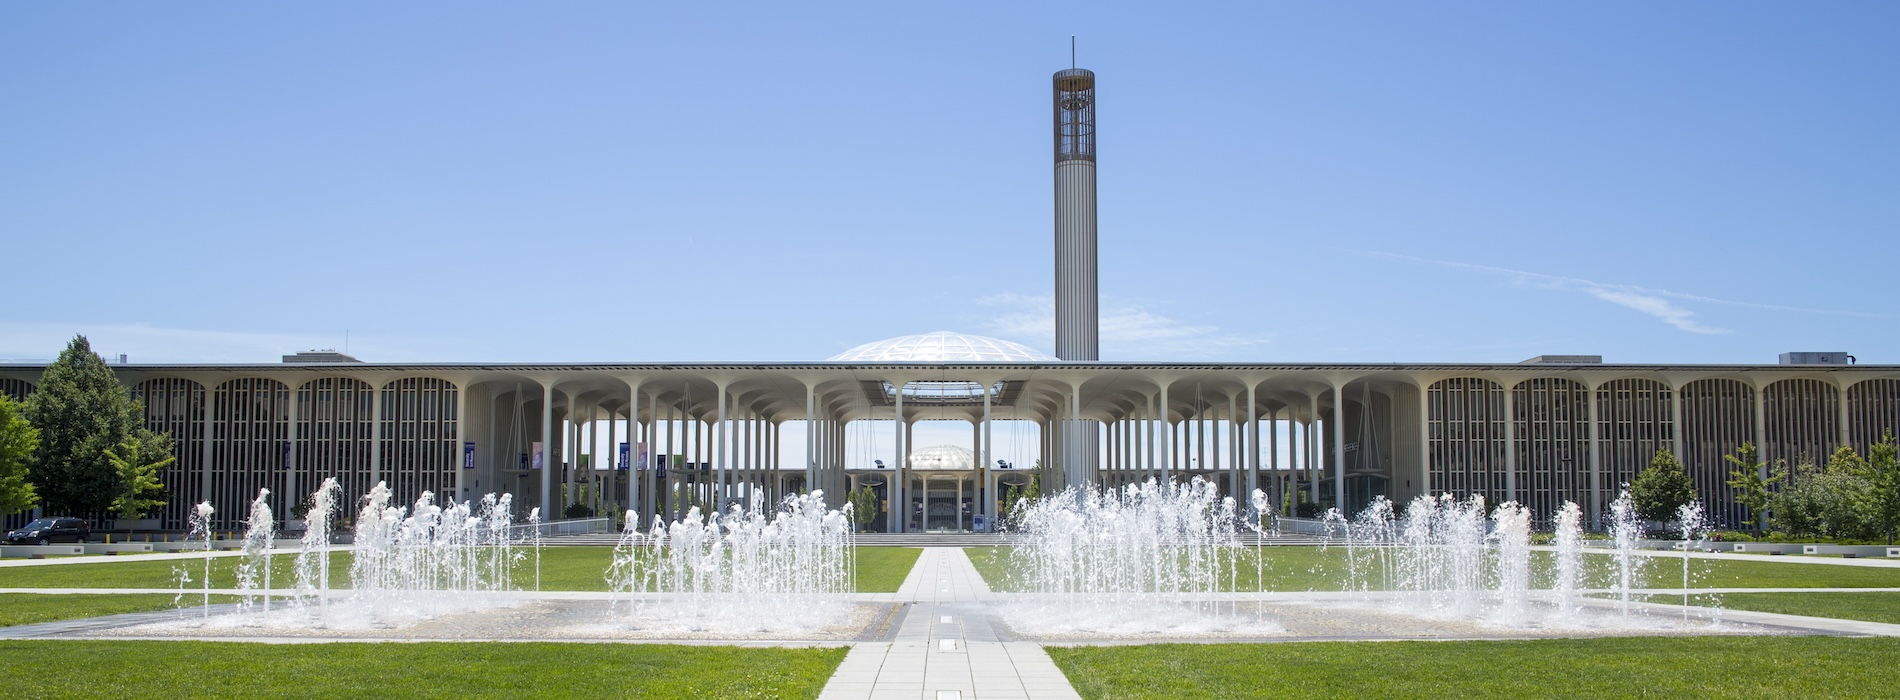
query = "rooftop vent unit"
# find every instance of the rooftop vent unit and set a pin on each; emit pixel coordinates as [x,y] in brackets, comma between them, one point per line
[1564,360]
[311,356]
[1816,358]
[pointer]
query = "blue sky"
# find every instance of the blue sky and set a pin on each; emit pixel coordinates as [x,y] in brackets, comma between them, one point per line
[1299,182]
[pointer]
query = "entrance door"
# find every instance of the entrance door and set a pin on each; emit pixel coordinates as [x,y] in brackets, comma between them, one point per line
[943,509]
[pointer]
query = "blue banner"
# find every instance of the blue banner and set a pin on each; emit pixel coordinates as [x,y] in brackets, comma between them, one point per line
[468,455]
[626,455]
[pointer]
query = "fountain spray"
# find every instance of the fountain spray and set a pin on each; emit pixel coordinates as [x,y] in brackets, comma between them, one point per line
[313,555]
[258,538]
[1690,523]
[200,522]
[1625,528]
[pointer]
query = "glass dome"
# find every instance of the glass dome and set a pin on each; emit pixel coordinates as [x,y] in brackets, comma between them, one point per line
[943,457]
[942,346]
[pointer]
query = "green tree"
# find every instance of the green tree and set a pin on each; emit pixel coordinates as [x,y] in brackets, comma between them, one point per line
[18,440]
[1752,480]
[1798,509]
[1831,502]
[1662,488]
[1846,461]
[864,506]
[137,462]
[1883,477]
[81,410]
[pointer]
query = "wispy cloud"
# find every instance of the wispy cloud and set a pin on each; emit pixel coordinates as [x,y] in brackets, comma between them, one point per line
[1128,331]
[1662,309]
[1660,304]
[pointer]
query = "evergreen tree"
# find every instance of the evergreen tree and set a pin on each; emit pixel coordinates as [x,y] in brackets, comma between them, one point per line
[81,410]
[1662,488]
[18,440]
[137,461]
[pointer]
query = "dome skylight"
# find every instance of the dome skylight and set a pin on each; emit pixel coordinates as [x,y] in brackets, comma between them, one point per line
[942,346]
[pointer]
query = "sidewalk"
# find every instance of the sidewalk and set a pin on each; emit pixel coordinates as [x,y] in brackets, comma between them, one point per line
[946,649]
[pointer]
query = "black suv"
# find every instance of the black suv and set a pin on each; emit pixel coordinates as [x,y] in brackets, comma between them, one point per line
[49,530]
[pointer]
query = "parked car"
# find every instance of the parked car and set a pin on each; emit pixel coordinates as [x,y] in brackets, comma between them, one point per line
[50,530]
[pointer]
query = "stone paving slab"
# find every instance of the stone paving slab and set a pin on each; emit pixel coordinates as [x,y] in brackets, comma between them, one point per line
[947,646]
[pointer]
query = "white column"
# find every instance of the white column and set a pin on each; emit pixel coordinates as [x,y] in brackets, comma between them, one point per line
[547,450]
[649,481]
[1167,448]
[1675,420]
[898,514]
[1338,431]
[1197,430]
[1252,436]
[1510,443]
[1847,431]
[1075,434]
[1596,461]
[1315,463]
[290,497]
[1235,441]
[376,409]
[986,497]
[462,434]
[1425,439]
[609,494]
[208,451]
[722,455]
[1277,491]
[1761,429]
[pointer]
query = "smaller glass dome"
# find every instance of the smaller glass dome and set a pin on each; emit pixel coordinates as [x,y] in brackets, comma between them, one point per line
[942,457]
[942,346]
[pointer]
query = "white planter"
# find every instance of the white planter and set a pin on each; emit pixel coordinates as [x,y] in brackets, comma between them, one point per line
[139,524]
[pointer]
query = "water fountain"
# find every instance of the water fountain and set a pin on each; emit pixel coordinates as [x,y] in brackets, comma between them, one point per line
[742,569]
[1147,555]
[253,573]
[1626,529]
[428,559]
[1567,576]
[1694,533]
[313,553]
[1438,554]
[1513,539]
[199,524]
[407,564]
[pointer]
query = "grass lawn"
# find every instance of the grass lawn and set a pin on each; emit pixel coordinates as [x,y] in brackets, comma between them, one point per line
[1326,569]
[427,670]
[880,569]
[1869,607]
[1685,667]
[31,608]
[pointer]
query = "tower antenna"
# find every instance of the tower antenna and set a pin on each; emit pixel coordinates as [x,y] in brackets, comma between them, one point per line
[1072,52]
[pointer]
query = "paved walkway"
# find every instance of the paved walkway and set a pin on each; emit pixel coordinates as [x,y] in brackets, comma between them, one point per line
[1868,562]
[946,648]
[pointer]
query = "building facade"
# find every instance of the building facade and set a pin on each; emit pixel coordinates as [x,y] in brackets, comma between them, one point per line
[709,433]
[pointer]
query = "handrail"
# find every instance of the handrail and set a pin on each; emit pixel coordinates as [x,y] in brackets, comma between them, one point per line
[578,526]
